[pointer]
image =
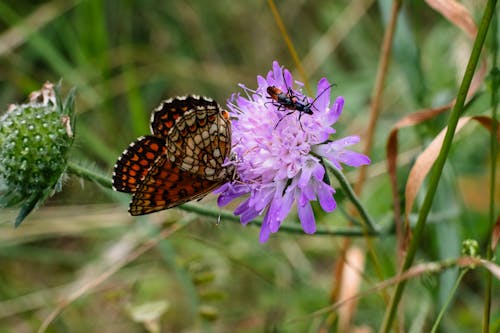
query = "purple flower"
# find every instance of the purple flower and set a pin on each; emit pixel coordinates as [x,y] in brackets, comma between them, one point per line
[277,150]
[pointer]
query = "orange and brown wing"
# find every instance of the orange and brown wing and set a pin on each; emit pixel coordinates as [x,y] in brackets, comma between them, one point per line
[166,114]
[198,134]
[166,186]
[135,162]
[200,142]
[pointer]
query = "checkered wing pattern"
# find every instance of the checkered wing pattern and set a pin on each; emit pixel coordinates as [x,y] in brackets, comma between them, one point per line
[135,162]
[166,186]
[200,142]
[181,161]
[198,134]
[171,110]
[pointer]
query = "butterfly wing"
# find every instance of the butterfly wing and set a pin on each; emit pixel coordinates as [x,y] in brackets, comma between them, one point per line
[135,162]
[198,134]
[166,186]
[200,142]
[182,161]
[165,116]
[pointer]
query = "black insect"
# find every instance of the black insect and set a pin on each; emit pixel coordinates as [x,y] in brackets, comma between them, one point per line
[289,101]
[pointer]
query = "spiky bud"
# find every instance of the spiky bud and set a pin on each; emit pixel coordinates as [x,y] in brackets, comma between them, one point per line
[34,142]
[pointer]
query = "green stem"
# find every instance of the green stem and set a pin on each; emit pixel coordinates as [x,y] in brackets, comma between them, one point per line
[448,300]
[494,79]
[88,174]
[441,159]
[368,222]
[217,213]
[290,228]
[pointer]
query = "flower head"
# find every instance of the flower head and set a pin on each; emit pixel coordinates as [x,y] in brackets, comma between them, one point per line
[34,140]
[279,142]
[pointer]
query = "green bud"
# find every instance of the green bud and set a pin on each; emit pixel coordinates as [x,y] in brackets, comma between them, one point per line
[470,247]
[34,142]
[208,312]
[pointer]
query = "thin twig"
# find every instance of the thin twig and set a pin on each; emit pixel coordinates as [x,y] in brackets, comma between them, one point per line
[494,80]
[375,107]
[378,89]
[368,222]
[440,161]
[413,272]
[289,44]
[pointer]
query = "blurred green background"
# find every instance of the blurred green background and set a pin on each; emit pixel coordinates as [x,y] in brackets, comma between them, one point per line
[124,57]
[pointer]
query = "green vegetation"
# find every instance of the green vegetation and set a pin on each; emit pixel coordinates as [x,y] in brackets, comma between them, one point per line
[81,263]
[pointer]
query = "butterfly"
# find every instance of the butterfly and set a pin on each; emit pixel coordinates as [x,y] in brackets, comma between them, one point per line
[182,160]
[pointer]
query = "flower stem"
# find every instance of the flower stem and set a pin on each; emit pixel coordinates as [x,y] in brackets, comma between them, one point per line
[368,222]
[448,300]
[441,159]
[495,81]
[290,228]
[368,138]
[378,89]
[88,174]
[216,213]
[288,42]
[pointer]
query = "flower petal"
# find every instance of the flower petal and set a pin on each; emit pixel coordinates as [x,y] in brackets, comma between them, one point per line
[322,95]
[325,197]
[306,172]
[248,216]
[228,192]
[354,159]
[262,83]
[264,230]
[344,142]
[260,199]
[278,74]
[272,215]
[286,204]
[306,217]
[242,207]
[335,110]
[288,82]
